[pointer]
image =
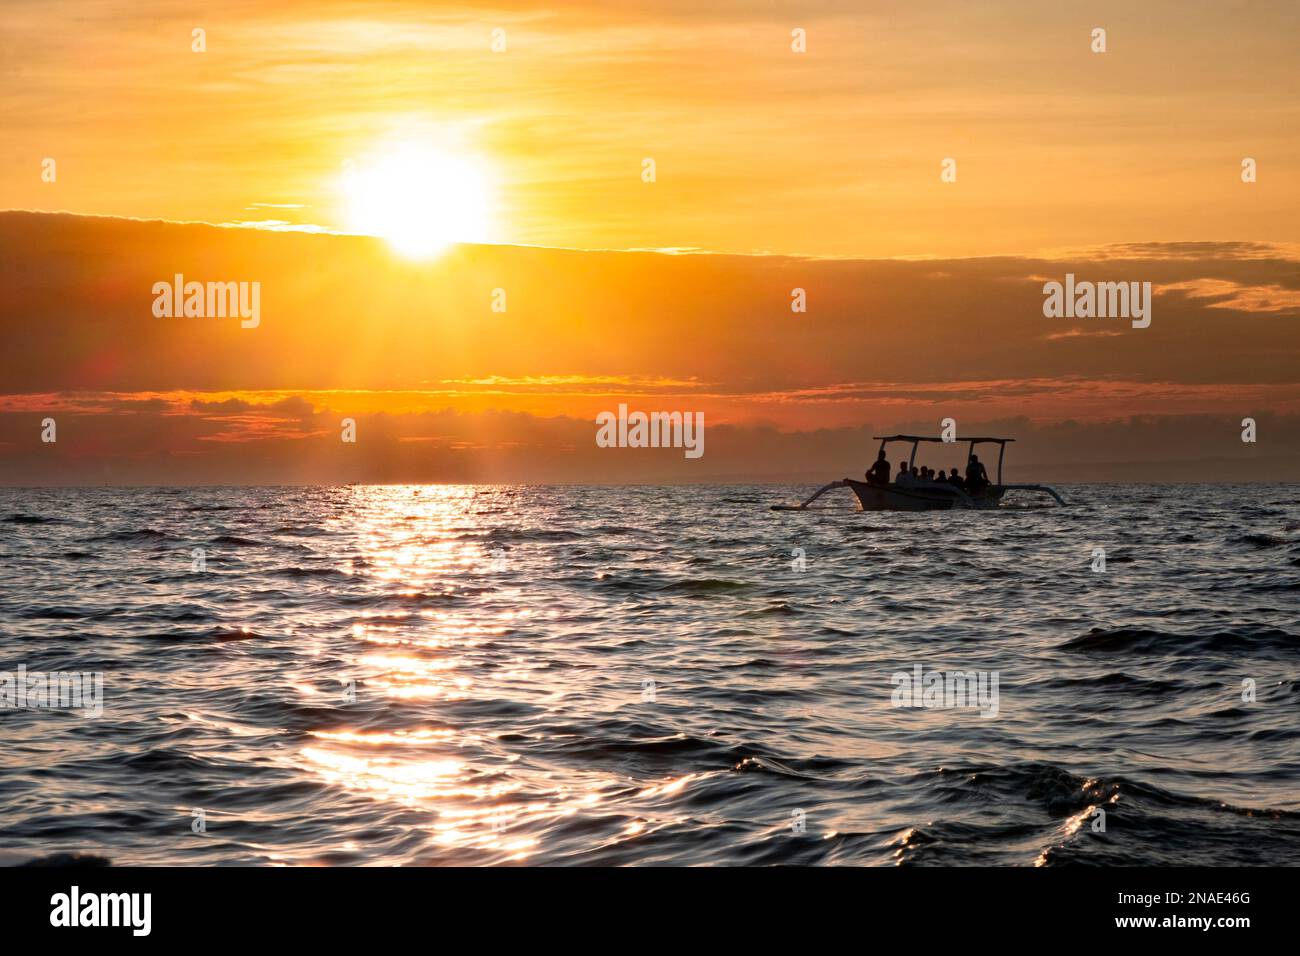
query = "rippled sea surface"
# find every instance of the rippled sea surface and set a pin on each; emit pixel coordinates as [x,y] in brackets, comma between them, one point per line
[461,675]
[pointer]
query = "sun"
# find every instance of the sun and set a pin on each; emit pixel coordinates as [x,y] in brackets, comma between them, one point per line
[420,198]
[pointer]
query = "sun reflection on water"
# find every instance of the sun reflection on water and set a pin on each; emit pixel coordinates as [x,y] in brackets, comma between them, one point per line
[419,552]
[427,544]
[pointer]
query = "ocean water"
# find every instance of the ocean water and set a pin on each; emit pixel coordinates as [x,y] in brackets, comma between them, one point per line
[462,675]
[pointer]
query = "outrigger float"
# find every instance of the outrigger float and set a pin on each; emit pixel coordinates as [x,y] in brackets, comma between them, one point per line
[926,495]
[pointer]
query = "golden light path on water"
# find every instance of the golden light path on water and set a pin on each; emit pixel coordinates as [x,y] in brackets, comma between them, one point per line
[425,541]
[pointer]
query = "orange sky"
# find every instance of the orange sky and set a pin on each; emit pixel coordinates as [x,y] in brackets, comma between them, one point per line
[816,170]
[835,151]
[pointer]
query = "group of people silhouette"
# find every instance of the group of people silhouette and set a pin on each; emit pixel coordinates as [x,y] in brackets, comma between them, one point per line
[974,482]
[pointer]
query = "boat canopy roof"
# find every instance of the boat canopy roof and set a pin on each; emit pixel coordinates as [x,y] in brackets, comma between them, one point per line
[957,441]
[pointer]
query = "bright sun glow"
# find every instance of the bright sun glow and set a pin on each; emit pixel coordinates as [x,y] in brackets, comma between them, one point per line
[421,199]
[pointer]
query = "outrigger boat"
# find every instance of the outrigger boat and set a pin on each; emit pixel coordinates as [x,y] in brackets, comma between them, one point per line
[926,495]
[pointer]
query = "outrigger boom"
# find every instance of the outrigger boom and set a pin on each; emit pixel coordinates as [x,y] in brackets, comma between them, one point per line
[815,495]
[926,495]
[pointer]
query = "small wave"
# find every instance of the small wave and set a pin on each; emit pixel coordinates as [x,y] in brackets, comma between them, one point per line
[217,635]
[143,534]
[617,582]
[1061,792]
[1287,584]
[756,663]
[30,519]
[402,598]
[1146,640]
[54,614]
[78,860]
[165,760]
[813,769]
[704,586]
[308,573]
[1118,681]
[780,608]
[1260,540]
[174,615]
[529,534]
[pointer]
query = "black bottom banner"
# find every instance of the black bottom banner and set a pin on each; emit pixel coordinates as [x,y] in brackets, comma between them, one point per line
[332,906]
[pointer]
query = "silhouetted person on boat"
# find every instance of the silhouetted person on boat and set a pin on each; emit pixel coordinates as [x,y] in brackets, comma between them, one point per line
[943,477]
[904,476]
[977,479]
[954,479]
[879,473]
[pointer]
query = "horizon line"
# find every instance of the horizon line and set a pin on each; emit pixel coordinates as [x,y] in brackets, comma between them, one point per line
[1287,252]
